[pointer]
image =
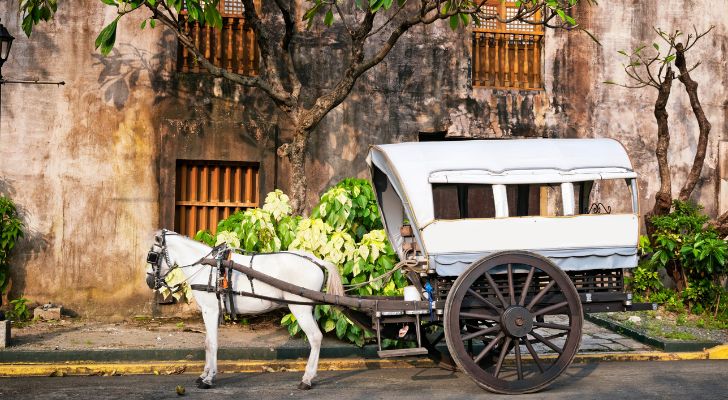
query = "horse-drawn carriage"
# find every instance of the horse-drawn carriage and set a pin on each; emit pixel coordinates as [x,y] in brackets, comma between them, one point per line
[506,244]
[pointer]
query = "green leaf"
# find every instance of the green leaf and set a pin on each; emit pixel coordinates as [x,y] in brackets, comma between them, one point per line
[329,18]
[454,21]
[329,325]
[341,326]
[107,38]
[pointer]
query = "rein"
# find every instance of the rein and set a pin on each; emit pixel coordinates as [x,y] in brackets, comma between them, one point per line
[218,252]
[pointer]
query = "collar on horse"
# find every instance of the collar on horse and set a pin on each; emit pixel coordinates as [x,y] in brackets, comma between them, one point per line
[159,252]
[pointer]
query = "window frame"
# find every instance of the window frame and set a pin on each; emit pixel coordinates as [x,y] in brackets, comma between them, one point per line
[568,200]
[233,47]
[507,50]
[243,191]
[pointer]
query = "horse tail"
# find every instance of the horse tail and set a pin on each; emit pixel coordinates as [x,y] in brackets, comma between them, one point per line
[333,283]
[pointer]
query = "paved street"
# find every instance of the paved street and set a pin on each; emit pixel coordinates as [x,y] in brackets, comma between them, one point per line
[609,380]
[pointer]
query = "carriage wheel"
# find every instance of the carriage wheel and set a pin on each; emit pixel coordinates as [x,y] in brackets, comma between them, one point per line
[505,310]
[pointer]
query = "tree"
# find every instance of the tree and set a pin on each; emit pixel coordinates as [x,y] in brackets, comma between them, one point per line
[655,69]
[373,28]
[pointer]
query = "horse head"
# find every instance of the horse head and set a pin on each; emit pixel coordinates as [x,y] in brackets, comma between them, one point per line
[158,260]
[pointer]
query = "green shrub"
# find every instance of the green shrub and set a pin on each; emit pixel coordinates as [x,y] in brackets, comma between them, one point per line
[11,229]
[645,279]
[692,253]
[19,310]
[344,228]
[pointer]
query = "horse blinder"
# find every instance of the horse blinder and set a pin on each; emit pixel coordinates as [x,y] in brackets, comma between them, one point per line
[154,257]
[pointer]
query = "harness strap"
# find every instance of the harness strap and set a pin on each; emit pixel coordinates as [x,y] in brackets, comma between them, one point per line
[203,288]
[229,288]
[252,288]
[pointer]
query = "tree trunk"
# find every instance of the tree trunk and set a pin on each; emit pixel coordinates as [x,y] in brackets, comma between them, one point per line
[692,88]
[663,198]
[722,225]
[297,182]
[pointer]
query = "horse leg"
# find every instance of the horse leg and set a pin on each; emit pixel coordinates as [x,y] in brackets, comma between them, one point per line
[210,315]
[304,316]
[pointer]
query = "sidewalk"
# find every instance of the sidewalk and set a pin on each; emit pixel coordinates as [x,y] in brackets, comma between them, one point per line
[88,347]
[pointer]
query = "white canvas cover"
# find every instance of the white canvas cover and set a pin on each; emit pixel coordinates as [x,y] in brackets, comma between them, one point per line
[411,168]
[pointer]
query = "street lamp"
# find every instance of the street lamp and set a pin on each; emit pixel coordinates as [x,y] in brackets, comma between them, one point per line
[6,40]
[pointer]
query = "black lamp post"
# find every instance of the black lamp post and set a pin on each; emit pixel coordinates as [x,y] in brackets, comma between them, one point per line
[6,40]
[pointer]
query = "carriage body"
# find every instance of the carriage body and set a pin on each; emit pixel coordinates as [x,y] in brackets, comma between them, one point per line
[573,201]
[517,238]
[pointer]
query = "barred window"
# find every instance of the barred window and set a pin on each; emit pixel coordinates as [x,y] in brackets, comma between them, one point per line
[507,56]
[209,191]
[233,47]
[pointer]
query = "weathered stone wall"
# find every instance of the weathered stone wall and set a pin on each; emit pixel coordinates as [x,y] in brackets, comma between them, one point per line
[584,106]
[92,163]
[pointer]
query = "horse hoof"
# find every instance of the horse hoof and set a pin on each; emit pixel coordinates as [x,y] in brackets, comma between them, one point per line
[304,386]
[203,385]
[198,380]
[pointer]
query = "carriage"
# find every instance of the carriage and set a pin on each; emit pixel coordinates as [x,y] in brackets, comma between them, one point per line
[517,238]
[506,244]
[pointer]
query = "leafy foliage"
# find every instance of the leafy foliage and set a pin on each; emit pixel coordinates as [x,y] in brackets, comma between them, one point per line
[684,242]
[34,11]
[19,310]
[644,279]
[458,13]
[11,229]
[344,228]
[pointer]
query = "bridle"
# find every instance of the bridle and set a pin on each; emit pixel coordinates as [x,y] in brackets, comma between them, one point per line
[154,258]
[159,252]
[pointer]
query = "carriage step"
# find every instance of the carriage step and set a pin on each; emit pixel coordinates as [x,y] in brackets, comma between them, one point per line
[414,351]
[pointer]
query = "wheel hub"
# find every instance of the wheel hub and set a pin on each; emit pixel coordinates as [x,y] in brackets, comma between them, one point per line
[517,321]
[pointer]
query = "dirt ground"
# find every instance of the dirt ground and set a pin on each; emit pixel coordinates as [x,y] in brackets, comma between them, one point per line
[167,333]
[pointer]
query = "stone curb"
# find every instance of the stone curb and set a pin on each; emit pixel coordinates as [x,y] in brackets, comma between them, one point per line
[17,369]
[662,344]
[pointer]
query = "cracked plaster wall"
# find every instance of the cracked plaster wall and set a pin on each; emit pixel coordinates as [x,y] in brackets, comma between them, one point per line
[92,163]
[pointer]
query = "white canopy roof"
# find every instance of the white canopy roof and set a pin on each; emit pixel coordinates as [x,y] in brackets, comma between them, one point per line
[412,167]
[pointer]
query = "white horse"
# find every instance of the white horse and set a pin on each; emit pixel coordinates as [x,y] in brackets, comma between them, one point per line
[176,251]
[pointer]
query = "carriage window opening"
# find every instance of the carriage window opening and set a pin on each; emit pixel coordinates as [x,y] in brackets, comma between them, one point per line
[606,196]
[454,201]
[531,200]
[480,201]
[445,198]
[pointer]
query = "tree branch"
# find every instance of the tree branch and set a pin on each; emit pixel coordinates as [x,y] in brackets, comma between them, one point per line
[267,55]
[703,124]
[188,43]
[287,51]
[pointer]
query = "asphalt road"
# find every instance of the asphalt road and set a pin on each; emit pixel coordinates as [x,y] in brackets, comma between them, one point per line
[607,380]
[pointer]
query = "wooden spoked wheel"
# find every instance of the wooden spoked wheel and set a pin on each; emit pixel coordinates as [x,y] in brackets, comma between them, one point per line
[513,322]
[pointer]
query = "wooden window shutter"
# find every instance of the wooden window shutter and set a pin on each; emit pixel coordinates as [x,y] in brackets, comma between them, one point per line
[209,191]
